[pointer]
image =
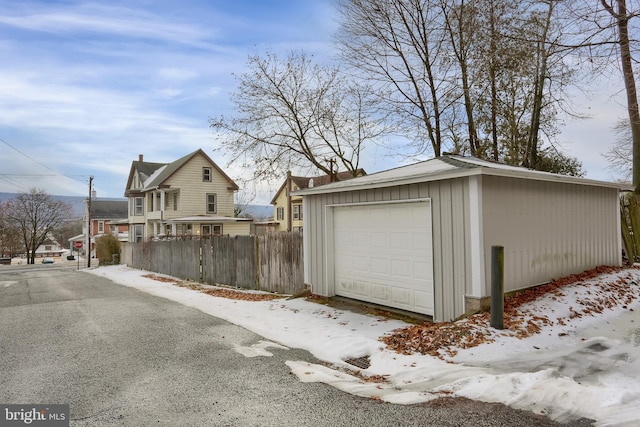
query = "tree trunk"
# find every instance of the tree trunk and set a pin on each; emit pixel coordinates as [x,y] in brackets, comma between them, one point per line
[622,18]
[531,156]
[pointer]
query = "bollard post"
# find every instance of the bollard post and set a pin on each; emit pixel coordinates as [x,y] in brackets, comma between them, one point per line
[497,287]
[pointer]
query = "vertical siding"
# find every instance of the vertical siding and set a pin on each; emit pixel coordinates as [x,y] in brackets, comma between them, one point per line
[450,219]
[549,230]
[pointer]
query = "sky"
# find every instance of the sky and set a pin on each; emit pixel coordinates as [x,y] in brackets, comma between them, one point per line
[583,362]
[87,86]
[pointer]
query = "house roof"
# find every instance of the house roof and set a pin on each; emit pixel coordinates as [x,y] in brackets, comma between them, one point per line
[447,167]
[154,175]
[303,182]
[109,209]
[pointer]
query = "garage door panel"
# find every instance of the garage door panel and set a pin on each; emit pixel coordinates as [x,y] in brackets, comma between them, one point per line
[361,264]
[400,240]
[379,240]
[379,292]
[401,268]
[401,296]
[380,266]
[424,300]
[383,254]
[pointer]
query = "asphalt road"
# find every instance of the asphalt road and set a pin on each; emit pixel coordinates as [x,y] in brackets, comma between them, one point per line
[119,356]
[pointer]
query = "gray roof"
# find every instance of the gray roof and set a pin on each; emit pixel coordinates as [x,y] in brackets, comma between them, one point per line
[109,209]
[164,171]
[447,167]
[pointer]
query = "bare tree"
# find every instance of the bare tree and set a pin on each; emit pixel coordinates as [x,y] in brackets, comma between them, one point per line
[401,46]
[484,77]
[619,12]
[35,215]
[295,114]
[620,155]
[9,236]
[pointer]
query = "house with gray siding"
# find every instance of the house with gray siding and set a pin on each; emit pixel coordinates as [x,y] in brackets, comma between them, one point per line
[419,237]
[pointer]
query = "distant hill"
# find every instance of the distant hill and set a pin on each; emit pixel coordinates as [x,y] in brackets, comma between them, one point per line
[76,202]
[259,212]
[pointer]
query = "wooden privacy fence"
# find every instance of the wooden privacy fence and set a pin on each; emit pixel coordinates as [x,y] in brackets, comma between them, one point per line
[272,263]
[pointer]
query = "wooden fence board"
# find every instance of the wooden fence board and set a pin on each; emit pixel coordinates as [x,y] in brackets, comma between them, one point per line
[272,263]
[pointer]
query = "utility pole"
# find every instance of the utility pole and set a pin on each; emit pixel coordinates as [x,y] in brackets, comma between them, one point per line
[89,223]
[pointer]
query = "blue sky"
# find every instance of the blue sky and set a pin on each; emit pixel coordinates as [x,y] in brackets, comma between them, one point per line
[85,87]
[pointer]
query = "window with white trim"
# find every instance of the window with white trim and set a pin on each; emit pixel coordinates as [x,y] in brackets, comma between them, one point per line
[211,203]
[206,174]
[297,212]
[138,203]
[280,213]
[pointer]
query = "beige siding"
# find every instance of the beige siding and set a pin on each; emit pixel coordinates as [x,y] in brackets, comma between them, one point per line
[450,217]
[548,230]
[281,202]
[192,198]
[240,228]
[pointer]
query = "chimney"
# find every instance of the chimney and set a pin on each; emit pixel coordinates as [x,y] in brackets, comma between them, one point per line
[140,157]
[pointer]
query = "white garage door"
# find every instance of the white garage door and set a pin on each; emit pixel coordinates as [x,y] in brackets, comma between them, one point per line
[383,254]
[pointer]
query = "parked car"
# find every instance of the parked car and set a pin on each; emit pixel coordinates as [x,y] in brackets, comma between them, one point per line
[47,260]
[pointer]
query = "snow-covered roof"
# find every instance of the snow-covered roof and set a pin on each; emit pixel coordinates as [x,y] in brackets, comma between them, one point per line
[448,167]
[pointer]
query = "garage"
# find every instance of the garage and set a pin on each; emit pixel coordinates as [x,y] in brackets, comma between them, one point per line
[419,237]
[383,254]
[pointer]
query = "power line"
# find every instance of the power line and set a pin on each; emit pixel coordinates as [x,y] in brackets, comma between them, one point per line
[38,163]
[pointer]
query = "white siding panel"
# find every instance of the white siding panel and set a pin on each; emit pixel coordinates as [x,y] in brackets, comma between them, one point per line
[548,230]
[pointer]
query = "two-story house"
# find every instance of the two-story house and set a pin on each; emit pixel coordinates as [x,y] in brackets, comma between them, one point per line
[191,196]
[102,217]
[107,216]
[287,209]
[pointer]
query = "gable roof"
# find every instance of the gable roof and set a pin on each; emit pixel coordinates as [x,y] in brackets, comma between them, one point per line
[109,209]
[303,182]
[447,167]
[154,175]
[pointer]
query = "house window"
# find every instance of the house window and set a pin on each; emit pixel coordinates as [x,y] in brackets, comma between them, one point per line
[206,230]
[217,230]
[138,206]
[150,202]
[206,174]
[280,214]
[297,212]
[175,201]
[186,229]
[138,233]
[100,226]
[211,203]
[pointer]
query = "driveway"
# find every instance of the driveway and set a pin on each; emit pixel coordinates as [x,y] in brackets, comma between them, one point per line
[119,356]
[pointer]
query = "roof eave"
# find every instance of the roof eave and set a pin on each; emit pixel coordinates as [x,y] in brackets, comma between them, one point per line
[459,173]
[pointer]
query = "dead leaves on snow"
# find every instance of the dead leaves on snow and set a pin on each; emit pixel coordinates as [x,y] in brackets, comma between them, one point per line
[443,339]
[218,292]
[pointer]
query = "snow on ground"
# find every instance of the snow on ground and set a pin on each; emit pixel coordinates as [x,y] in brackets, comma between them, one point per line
[581,357]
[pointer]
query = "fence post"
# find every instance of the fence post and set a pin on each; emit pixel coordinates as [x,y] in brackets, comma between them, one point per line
[497,287]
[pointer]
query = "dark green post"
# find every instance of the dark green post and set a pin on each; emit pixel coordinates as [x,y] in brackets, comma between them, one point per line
[497,287]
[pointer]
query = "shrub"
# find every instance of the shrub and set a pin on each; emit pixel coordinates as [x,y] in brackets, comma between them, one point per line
[106,247]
